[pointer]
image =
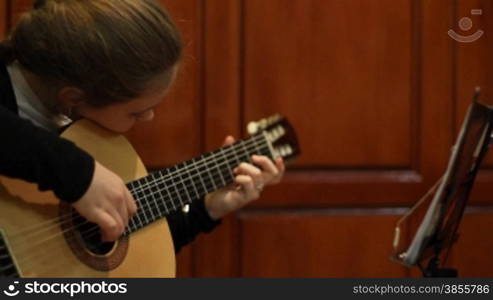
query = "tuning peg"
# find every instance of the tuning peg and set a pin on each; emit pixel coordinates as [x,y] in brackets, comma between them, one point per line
[284,151]
[255,127]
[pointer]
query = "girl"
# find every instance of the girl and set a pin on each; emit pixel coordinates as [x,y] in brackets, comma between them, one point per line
[110,61]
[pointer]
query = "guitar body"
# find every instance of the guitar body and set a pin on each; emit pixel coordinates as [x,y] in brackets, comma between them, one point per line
[41,247]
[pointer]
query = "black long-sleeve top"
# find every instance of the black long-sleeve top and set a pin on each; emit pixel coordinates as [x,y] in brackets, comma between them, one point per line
[34,154]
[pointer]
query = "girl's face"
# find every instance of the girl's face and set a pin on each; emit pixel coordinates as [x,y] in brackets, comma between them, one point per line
[121,117]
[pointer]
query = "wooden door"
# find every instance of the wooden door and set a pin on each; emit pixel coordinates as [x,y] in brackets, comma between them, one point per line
[377,91]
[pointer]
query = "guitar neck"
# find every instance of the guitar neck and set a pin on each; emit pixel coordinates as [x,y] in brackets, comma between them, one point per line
[168,190]
[8,267]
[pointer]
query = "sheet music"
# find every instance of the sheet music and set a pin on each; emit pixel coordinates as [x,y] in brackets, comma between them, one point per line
[431,221]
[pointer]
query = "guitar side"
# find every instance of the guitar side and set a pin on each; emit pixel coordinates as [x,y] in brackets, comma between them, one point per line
[45,251]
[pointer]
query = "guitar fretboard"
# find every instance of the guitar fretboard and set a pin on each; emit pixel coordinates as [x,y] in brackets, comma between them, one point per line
[7,265]
[168,190]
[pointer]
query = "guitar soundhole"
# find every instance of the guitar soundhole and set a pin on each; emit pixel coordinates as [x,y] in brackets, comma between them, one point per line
[84,239]
[90,235]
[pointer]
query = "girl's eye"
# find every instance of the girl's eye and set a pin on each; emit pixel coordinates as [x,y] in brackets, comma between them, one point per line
[138,114]
[145,115]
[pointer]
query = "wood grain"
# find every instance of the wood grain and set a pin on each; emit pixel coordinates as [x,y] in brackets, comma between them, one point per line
[305,60]
[328,243]
[377,91]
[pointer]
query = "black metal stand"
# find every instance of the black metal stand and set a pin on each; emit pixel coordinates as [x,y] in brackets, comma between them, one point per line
[433,269]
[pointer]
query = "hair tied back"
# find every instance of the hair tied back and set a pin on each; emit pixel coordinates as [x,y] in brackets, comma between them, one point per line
[39,4]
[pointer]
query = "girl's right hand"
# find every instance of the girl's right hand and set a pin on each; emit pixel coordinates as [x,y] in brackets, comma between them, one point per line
[107,202]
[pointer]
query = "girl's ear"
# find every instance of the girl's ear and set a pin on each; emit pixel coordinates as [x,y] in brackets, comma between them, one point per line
[68,98]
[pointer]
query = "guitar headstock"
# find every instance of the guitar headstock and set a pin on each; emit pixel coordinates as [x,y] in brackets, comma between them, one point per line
[279,133]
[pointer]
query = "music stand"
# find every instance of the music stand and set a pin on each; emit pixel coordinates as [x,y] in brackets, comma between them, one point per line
[437,231]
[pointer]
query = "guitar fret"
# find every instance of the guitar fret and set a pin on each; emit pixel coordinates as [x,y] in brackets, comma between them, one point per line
[197,181]
[167,190]
[134,186]
[192,182]
[184,178]
[246,153]
[154,208]
[170,186]
[148,205]
[143,210]
[237,160]
[214,161]
[201,174]
[211,177]
[184,192]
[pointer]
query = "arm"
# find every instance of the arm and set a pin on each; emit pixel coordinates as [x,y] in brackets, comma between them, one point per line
[34,154]
[185,227]
[39,156]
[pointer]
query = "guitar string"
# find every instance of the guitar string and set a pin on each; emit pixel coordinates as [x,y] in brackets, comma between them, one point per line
[141,188]
[178,191]
[202,163]
[92,232]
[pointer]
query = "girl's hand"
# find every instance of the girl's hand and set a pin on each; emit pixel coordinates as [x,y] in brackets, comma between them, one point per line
[249,182]
[107,202]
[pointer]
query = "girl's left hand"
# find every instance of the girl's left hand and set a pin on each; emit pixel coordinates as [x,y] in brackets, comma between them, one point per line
[249,183]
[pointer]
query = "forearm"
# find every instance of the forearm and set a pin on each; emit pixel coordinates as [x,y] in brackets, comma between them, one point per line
[36,155]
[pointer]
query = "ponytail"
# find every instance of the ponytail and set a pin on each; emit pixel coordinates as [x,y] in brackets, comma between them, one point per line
[39,3]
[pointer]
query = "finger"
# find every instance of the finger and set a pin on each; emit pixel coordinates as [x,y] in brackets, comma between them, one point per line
[229,140]
[131,203]
[123,211]
[108,225]
[250,170]
[266,164]
[281,166]
[117,230]
[120,205]
[248,186]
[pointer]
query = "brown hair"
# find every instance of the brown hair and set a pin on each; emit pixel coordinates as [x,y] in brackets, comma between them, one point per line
[110,49]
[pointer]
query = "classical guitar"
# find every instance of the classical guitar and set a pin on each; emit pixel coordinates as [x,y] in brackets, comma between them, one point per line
[43,237]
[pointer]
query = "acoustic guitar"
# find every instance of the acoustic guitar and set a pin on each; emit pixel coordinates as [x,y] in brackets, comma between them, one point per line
[41,236]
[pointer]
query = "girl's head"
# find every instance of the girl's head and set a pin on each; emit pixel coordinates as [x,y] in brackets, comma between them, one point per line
[98,54]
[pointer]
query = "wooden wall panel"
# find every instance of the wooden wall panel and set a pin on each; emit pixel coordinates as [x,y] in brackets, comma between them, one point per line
[336,63]
[4,18]
[17,7]
[428,54]
[472,253]
[329,243]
